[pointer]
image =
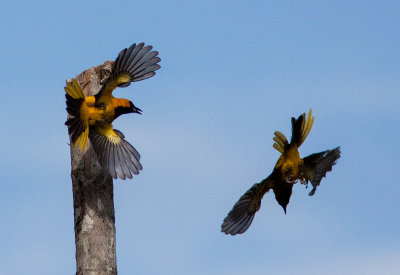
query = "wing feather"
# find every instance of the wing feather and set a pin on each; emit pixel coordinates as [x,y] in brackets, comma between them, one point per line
[133,64]
[117,163]
[316,166]
[130,161]
[242,214]
[115,154]
[124,164]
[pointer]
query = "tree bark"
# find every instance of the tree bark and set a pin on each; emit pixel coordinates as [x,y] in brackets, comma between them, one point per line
[92,186]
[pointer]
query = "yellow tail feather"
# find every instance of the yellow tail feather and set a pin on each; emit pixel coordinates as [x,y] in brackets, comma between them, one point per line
[280,141]
[306,127]
[74,89]
[82,140]
[78,126]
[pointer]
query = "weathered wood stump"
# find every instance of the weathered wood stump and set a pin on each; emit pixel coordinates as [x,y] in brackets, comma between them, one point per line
[93,197]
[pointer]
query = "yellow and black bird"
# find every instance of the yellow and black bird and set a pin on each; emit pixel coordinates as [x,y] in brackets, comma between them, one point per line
[288,169]
[91,117]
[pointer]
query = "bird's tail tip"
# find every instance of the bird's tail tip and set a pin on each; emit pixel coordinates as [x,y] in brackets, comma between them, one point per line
[78,129]
[301,127]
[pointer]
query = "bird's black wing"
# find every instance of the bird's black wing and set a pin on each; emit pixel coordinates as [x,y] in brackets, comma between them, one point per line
[316,166]
[135,63]
[242,214]
[115,154]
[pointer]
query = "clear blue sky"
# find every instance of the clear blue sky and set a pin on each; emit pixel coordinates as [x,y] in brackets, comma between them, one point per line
[233,72]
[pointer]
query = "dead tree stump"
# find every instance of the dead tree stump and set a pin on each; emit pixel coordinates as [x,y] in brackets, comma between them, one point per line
[92,186]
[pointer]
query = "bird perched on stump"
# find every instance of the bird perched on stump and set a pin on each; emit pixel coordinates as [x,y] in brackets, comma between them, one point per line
[91,117]
[288,170]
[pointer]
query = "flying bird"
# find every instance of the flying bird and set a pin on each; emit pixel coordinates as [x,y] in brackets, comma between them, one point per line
[91,117]
[289,168]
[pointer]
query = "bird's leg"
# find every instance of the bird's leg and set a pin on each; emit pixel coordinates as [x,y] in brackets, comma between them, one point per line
[303,181]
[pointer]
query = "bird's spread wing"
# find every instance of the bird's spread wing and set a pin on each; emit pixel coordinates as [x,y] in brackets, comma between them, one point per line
[78,125]
[316,166]
[114,152]
[135,63]
[242,214]
[301,127]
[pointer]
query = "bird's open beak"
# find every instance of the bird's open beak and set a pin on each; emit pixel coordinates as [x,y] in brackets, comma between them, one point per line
[137,110]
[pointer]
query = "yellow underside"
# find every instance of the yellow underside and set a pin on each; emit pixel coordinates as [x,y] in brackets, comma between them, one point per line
[290,160]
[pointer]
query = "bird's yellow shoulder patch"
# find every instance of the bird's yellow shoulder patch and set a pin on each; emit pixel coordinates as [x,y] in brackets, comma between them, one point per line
[108,131]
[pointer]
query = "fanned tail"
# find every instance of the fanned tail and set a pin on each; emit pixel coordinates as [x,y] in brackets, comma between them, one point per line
[301,127]
[280,141]
[78,127]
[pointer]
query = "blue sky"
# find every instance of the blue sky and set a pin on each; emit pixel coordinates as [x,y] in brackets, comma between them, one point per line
[233,72]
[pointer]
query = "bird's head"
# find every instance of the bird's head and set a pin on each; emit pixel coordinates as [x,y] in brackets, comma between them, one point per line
[125,107]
